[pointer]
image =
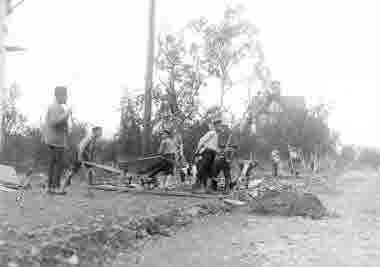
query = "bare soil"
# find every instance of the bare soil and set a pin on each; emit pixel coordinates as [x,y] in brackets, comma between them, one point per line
[352,238]
[42,221]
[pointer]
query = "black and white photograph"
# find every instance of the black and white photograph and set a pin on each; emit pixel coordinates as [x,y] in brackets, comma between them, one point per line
[173,133]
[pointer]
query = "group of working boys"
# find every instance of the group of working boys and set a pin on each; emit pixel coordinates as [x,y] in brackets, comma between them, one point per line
[208,161]
[55,134]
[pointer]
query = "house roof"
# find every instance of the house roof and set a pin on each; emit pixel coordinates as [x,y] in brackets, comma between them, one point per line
[14,48]
[294,101]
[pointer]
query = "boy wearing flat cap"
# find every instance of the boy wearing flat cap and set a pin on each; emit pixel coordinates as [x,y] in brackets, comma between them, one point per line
[167,149]
[55,136]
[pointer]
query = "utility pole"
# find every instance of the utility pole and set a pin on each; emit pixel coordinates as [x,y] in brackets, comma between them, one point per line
[3,13]
[147,131]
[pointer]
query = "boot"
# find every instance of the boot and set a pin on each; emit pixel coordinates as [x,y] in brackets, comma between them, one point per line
[200,187]
[90,175]
[201,190]
[227,187]
[196,185]
[210,186]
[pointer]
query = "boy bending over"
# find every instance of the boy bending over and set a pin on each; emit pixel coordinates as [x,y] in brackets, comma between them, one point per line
[86,152]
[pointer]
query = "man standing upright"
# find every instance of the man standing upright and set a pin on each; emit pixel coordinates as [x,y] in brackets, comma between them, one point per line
[55,136]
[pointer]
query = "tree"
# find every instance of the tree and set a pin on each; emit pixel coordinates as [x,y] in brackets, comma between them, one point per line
[225,45]
[6,8]
[369,156]
[129,136]
[348,153]
[3,9]
[13,121]
[179,81]
[147,130]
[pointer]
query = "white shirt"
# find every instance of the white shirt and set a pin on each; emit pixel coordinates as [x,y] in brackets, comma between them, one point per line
[275,156]
[293,154]
[83,145]
[209,141]
[167,146]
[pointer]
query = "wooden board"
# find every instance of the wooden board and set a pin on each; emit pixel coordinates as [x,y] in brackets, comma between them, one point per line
[234,202]
[103,167]
[11,185]
[8,175]
[153,192]
[7,189]
[140,164]
[169,193]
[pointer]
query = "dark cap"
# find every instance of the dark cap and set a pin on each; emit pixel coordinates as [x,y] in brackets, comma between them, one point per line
[60,90]
[166,132]
[217,122]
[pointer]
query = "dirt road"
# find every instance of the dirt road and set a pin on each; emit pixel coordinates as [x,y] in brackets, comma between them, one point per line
[353,239]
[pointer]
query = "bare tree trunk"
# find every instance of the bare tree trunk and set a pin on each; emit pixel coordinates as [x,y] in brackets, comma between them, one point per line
[3,10]
[147,133]
[222,92]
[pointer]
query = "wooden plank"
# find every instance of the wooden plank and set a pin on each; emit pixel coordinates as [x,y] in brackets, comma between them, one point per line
[7,189]
[11,186]
[141,165]
[170,194]
[153,192]
[103,167]
[234,202]
[140,161]
[109,187]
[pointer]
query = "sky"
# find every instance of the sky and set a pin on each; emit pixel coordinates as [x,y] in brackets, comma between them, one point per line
[325,50]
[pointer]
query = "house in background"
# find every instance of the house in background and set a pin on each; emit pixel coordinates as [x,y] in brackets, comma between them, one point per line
[268,108]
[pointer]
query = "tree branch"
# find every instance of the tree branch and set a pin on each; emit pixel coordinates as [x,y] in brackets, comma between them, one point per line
[11,9]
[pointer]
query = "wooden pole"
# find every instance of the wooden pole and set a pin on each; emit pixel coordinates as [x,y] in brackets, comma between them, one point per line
[3,11]
[147,131]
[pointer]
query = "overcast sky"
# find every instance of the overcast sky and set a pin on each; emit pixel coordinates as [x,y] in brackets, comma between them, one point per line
[320,49]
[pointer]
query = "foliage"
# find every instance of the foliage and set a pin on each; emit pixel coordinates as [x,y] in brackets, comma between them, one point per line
[13,121]
[185,61]
[225,44]
[128,140]
[348,153]
[13,124]
[369,156]
[179,79]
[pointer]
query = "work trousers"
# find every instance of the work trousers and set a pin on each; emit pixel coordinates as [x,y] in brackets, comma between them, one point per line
[56,166]
[222,165]
[275,166]
[293,166]
[205,166]
[77,166]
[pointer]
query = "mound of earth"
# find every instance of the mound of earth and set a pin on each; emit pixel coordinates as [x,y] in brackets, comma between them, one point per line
[276,198]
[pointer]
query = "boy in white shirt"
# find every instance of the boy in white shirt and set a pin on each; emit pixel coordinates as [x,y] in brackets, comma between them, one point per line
[166,165]
[207,149]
